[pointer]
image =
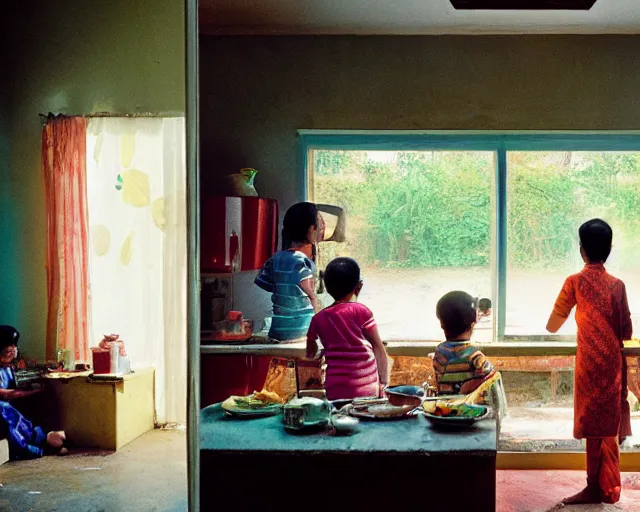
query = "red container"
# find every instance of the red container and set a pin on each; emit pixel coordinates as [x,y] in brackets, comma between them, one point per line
[101,361]
[237,233]
[224,375]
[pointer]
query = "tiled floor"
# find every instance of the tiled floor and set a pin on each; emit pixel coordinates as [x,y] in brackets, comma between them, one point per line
[540,491]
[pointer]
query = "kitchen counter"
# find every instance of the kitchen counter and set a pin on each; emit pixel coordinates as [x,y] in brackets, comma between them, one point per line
[259,464]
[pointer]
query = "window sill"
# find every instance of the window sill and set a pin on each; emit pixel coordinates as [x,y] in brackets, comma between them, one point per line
[415,349]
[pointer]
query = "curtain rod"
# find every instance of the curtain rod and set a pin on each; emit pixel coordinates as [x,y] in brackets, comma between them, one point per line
[102,114]
[143,115]
[110,114]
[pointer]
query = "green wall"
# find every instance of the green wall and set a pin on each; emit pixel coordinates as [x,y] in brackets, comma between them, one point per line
[71,57]
[256,92]
[7,228]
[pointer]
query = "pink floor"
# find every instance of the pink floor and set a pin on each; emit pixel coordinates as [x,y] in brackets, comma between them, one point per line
[540,491]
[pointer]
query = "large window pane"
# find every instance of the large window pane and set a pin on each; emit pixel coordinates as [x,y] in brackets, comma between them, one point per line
[540,395]
[420,225]
[549,195]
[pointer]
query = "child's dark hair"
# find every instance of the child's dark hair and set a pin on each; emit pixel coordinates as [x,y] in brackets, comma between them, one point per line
[341,277]
[297,221]
[9,336]
[457,313]
[595,239]
[484,305]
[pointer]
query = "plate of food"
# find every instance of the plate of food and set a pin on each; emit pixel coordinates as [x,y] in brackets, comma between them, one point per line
[454,414]
[382,410]
[459,412]
[256,405]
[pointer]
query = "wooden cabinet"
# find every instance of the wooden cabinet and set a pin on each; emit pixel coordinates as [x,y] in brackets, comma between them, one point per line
[104,414]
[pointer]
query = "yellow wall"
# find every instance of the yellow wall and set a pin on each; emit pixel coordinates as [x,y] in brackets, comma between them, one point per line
[72,57]
[257,91]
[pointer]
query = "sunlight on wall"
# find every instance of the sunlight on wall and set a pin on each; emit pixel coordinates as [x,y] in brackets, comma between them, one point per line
[125,58]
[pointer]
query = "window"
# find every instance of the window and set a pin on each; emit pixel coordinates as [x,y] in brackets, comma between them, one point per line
[495,215]
[549,195]
[420,225]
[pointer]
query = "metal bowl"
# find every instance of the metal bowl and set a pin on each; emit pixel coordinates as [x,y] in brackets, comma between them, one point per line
[405,395]
[344,424]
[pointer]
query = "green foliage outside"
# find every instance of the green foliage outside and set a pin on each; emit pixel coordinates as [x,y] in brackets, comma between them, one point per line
[435,209]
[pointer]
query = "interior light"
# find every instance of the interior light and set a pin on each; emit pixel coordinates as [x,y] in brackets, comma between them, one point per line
[524,5]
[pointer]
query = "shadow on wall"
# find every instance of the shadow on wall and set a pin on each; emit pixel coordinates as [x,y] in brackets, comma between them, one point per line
[10,291]
[9,252]
[216,162]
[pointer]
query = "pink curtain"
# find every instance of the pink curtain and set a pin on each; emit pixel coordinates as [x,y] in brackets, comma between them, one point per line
[64,142]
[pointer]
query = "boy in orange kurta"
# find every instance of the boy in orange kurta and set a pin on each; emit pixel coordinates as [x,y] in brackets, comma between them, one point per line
[601,410]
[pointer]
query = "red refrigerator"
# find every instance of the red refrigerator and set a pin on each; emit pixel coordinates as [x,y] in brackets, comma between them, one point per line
[238,234]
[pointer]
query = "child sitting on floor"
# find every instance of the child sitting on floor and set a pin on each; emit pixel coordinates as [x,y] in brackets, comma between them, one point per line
[459,366]
[602,414]
[356,359]
[26,441]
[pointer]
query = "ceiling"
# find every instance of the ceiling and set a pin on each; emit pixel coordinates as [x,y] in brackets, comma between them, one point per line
[288,17]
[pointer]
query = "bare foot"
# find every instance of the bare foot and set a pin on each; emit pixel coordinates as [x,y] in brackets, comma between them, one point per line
[588,495]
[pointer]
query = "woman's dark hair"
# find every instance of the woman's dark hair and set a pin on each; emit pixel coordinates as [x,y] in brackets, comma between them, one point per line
[456,312]
[341,277]
[595,239]
[297,221]
[9,336]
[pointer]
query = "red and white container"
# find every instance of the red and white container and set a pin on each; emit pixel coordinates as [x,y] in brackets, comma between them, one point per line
[101,360]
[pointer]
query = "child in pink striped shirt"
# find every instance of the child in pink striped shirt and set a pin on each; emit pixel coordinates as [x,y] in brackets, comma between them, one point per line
[356,359]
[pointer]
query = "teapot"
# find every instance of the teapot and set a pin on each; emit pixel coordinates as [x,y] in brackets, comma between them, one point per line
[306,413]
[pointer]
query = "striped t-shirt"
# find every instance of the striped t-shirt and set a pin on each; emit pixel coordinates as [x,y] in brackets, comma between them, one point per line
[460,367]
[352,370]
[281,276]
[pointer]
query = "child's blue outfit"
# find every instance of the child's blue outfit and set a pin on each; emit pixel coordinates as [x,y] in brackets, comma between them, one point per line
[26,441]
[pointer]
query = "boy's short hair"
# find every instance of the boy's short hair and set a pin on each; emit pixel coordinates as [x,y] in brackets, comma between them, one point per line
[341,277]
[484,305]
[9,337]
[457,313]
[595,239]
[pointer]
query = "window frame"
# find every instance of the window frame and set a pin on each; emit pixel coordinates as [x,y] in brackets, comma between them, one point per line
[498,142]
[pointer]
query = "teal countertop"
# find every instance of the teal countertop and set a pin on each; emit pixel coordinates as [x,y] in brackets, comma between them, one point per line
[413,435]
